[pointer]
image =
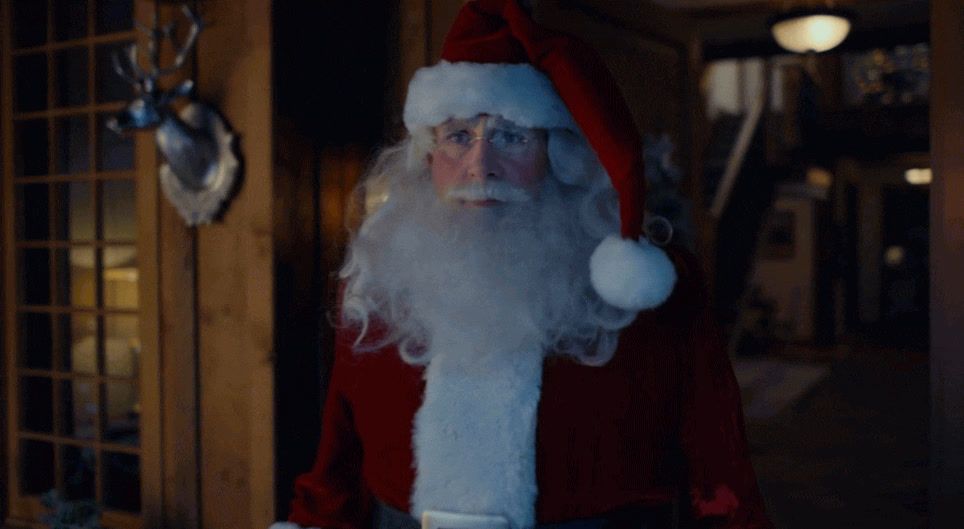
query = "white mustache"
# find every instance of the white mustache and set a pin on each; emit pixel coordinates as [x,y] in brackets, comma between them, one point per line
[491,190]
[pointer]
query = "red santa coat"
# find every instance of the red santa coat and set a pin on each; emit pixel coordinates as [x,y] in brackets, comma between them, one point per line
[663,414]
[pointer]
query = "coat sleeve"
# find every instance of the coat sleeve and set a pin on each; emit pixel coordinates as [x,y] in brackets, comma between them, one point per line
[333,495]
[723,489]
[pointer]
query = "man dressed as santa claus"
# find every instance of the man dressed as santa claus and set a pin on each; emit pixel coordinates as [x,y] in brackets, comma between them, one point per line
[511,350]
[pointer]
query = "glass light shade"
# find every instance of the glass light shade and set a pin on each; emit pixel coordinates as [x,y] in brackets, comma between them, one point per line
[814,32]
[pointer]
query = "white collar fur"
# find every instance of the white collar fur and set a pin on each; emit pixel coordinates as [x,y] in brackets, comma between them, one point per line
[474,437]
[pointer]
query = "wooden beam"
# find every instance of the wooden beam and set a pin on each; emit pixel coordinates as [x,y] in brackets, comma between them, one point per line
[149,253]
[946,255]
[8,280]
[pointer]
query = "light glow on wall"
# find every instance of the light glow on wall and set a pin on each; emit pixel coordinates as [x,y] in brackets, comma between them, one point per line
[918,177]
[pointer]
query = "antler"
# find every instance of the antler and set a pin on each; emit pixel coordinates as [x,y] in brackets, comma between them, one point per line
[154,36]
[137,74]
[134,73]
[196,26]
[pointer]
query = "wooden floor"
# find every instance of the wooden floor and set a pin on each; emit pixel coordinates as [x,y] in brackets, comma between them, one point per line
[852,450]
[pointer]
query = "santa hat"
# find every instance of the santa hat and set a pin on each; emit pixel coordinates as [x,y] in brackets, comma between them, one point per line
[496,60]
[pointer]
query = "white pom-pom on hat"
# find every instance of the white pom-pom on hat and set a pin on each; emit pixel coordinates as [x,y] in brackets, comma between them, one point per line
[631,275]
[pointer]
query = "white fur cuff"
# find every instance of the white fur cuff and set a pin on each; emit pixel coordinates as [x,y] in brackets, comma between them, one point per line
[517,92]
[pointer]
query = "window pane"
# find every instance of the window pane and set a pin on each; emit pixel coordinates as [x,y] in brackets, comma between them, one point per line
[120,277]
[78,407]
[71,78]
[110,86]
[29,23]
[75,281]
[122,412]
[74,204]
[36,404]
[36,467]
[119,213]
[122,484]
[70,19]
[78,464]
[33,215]
[122,346]
[30,81]
[35,276]
[114,152]
[114,15]
[36,346]
[73,151]
[31,147]
[79,344]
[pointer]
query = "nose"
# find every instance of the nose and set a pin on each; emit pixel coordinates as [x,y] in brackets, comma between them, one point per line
[482,161]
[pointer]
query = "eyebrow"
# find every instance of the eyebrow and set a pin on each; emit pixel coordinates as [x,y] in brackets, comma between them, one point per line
[457,124]
[494,122]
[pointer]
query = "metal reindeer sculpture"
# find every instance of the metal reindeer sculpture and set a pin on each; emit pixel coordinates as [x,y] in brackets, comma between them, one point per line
[201,167]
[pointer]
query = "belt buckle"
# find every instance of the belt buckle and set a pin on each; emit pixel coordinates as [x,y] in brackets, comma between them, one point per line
[456,520]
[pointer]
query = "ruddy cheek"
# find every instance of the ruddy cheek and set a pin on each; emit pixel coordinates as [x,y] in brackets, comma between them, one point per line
[527,173]
[445,173]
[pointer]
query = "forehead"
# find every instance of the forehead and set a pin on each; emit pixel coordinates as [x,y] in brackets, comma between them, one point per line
[482,120]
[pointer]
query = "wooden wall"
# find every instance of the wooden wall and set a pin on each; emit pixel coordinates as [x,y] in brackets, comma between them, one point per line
[241,302]
[212,297]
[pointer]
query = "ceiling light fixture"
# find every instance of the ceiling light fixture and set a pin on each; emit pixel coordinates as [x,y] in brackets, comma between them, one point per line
[811,29]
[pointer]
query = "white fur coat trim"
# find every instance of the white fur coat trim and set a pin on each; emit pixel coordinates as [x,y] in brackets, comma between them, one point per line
[517,92]
[474,438]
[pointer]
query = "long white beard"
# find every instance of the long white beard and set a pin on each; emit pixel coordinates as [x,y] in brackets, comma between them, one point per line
[483,293]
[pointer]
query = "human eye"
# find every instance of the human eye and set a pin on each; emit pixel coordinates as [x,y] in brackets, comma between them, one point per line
[508,138]
[458,137]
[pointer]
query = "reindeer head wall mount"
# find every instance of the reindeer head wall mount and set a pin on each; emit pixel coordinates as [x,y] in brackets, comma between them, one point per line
[202,167]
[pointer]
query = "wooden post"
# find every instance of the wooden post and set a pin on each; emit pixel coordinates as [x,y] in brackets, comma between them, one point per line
[947,255]
[146,161]
[235,278]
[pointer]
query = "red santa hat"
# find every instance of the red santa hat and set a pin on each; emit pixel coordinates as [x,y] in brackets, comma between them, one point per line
[496,60]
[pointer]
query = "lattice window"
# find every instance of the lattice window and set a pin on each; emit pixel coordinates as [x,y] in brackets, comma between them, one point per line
[71,308]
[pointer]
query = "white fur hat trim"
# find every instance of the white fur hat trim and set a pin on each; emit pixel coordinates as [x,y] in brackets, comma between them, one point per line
[631,275]
[517,92]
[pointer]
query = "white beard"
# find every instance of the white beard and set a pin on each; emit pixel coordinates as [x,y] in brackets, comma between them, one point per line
[475,281]
[480,295]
